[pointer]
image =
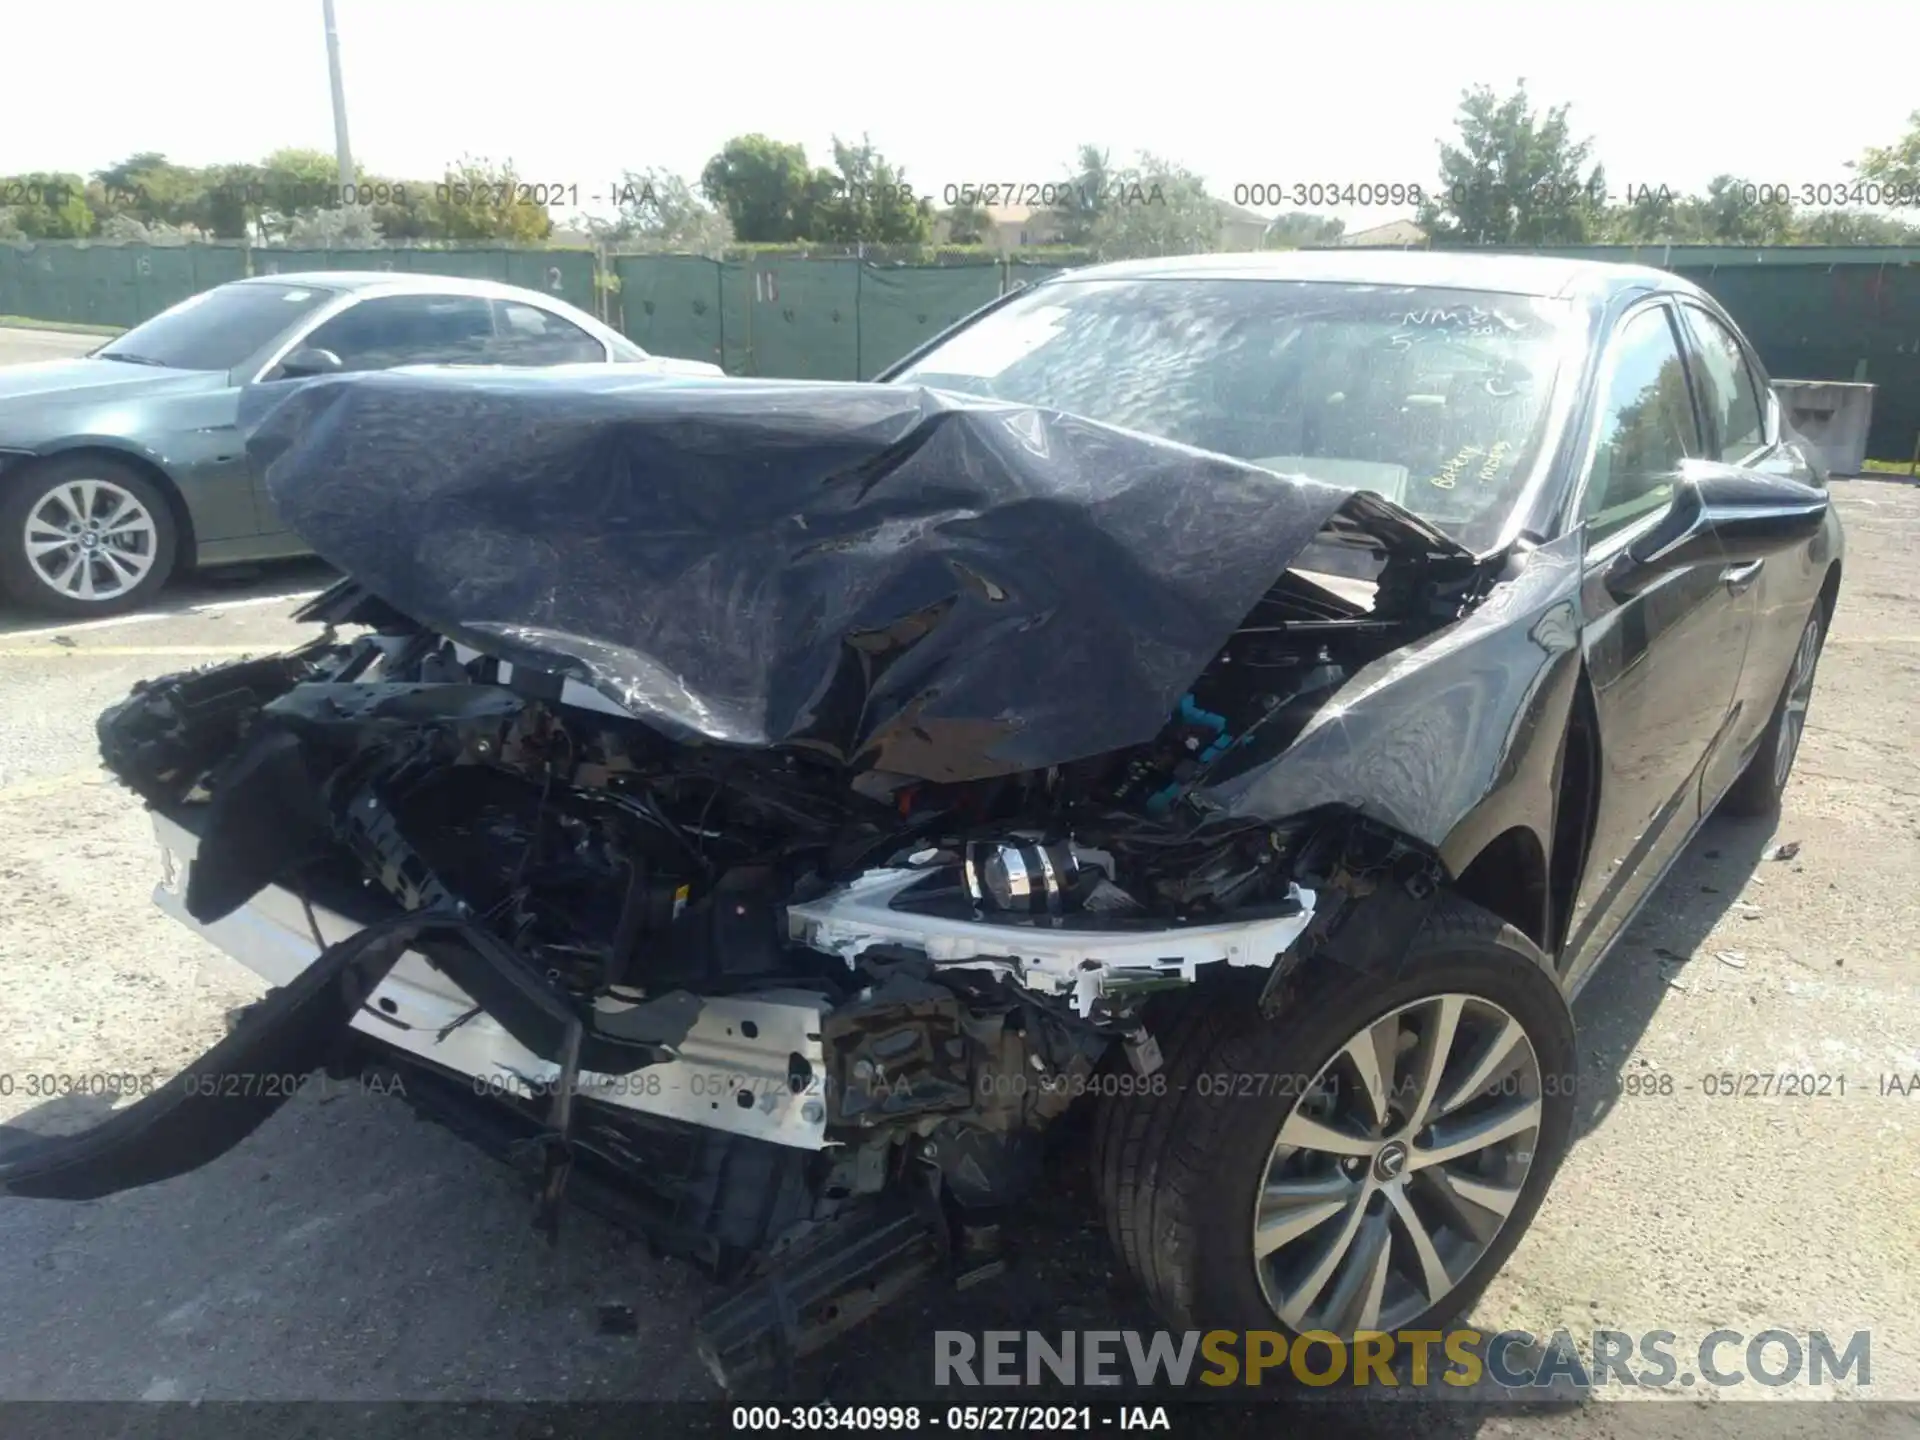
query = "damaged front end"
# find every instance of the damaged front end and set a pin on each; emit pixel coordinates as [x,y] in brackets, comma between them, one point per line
[799,1004]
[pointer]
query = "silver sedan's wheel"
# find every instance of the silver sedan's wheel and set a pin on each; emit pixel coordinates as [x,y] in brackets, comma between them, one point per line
[91,540]
[84,535]
[1399,1166]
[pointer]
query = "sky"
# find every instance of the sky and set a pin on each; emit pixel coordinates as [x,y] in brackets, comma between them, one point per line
[576,91]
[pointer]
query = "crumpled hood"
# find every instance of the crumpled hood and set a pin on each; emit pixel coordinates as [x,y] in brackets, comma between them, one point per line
[901,578]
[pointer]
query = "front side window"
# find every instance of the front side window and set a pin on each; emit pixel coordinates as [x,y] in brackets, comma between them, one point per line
[1647,426]
[390,330]
[1435,399]
[219,328]
[1728,391]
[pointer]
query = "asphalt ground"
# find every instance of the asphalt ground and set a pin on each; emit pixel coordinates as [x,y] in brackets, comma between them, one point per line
[350,1252]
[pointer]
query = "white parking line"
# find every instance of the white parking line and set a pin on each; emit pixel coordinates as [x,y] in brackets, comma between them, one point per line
[215,608]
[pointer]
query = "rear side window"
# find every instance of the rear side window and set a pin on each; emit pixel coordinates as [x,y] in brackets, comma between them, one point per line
[1729,394]
[528,335]
[1647,426]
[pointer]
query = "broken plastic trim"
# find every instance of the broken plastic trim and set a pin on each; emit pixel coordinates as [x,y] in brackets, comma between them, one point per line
[1050,960]
[217,1101]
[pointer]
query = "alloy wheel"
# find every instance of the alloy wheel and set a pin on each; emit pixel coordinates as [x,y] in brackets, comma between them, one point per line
[1398,1167]
[1793,717]
[90,540]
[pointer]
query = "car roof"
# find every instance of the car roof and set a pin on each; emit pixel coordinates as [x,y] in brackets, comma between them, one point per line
[1542,275]
[404,281]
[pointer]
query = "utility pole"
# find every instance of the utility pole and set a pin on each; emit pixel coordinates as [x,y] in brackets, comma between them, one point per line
[343,152]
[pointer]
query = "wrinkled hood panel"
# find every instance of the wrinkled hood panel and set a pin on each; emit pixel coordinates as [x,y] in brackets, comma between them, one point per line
[897,577]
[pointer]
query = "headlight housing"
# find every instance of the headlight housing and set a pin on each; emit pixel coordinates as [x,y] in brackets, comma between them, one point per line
[1026,875]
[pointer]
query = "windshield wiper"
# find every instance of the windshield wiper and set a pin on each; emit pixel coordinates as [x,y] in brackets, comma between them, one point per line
[127,359]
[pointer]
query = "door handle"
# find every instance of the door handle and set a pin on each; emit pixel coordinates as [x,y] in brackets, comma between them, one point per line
[1738,577]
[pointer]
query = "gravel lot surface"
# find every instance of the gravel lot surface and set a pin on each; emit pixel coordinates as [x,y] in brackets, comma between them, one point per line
[351,1252]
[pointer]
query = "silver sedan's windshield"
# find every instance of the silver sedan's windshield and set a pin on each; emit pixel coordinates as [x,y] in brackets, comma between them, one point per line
[1435,399]
[217,329]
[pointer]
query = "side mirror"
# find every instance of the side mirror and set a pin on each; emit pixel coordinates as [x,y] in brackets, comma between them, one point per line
[1720,515]
[308,361]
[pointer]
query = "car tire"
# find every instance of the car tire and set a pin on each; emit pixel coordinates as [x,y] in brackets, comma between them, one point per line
[1757,793]
[120,533]
[1178,1172]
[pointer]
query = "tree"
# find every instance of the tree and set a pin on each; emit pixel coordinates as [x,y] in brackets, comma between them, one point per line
[1298,228]
[51,206]
[1084,204]
[1852,227]
[478,200]
[968,224]
[1515,178]
[1898,165]
[764,186]
[229,204]
[337,227]
[1156,207]
[866,198]
[404,209]
[658,208]
[1651,216]
[295,184]
[126,230]
[150,188]
[1735,212]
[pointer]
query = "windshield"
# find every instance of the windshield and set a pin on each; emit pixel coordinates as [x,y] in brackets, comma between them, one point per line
[1435,399]
[216,329]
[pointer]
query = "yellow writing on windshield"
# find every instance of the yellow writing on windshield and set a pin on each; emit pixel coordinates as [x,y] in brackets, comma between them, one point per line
[1449,474]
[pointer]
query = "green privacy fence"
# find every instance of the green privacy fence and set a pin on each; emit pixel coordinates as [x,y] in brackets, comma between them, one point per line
[122,285]
[1814,313]
[812,319]
[109,284]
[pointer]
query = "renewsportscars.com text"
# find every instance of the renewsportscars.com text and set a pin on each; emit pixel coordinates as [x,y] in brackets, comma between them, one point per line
[1512,1359]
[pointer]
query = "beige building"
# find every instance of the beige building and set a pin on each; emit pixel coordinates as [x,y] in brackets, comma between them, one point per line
[1394,232]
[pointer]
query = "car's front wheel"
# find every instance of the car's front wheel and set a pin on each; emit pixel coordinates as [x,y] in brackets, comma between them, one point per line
[1365,1161]
[84,535]
[1762,785]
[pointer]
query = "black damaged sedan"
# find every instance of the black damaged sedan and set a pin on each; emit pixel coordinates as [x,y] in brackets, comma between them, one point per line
[1245,695]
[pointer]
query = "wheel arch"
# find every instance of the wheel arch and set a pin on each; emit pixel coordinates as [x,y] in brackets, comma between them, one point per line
[186,545]
[1509,878]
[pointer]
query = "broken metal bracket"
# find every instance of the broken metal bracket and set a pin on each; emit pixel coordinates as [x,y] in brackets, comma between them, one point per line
[556,1143]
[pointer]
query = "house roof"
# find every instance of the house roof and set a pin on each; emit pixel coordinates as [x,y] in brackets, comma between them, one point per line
[1394,232]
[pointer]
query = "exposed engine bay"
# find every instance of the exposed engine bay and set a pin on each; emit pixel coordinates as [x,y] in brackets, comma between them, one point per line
[864,988]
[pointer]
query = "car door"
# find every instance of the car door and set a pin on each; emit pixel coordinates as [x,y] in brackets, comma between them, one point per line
[385,331]
[1664,662]
[1743,429]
